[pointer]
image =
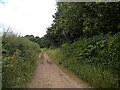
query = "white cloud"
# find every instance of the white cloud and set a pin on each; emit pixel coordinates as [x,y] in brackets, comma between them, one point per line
[28,16]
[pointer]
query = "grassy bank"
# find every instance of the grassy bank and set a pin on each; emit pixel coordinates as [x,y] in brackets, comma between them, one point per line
[19,55]
[95,59]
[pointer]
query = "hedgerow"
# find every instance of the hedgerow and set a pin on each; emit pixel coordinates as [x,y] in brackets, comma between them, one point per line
[95,59]
[19,55]
[98,56]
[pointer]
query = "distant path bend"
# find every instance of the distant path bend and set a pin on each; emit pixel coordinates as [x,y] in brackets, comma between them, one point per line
[49,75]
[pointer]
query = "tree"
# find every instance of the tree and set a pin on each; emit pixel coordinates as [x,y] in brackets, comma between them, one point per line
[75,20]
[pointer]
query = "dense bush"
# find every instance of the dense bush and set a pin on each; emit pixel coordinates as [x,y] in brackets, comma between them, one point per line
[73,20]
[19,55]
[95,59]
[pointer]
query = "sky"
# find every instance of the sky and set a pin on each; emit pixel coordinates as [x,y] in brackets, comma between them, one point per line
[27,17]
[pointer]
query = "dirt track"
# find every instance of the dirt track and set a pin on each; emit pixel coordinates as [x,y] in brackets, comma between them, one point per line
[49,75]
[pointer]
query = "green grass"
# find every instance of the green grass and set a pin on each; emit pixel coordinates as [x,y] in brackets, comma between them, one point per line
[18,61]
[94,76]
[55,54]
[95,59]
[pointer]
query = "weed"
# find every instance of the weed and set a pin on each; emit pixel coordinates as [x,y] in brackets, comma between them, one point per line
[19,55]
[95,59]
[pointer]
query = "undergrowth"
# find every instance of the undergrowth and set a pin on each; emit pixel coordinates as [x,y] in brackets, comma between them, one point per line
[95,59]
[18,59]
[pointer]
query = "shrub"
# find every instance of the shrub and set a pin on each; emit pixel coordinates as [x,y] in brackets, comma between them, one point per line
[100,52]
[19,55]
[95,59]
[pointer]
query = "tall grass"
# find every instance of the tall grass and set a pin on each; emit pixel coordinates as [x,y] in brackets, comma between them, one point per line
[56,54]
[95,59]
[19,55]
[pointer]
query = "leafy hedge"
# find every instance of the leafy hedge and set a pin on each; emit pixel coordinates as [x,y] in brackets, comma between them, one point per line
[19,55]
[94,59]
